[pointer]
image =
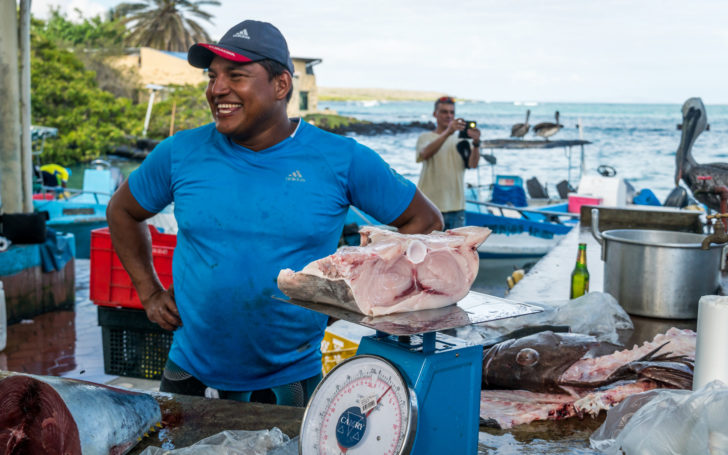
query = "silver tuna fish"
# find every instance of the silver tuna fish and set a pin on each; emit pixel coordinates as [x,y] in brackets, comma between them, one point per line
[51,415]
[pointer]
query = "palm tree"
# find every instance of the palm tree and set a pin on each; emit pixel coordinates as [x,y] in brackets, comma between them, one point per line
[162,24]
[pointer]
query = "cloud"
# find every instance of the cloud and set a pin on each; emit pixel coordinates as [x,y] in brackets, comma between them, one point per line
[563,50]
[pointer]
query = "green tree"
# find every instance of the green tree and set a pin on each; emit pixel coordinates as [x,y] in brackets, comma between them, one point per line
[96,42]
[89,33]
[64,95]
[91,111]
[162,24]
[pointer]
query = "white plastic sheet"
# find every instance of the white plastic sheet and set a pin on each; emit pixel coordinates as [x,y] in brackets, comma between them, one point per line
[239,442]
[667,422]
[596,313]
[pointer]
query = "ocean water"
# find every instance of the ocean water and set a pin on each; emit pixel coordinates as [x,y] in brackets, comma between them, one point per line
[638,140]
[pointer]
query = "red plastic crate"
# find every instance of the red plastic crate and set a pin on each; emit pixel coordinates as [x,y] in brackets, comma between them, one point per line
[110,284]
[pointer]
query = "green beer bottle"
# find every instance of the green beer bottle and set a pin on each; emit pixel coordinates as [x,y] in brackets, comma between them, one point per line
[580,275]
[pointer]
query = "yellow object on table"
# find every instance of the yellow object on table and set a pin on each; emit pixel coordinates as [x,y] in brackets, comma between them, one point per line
[341,340]
[334,349]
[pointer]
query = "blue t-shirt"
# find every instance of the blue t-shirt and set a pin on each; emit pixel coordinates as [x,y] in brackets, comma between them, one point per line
[242,217]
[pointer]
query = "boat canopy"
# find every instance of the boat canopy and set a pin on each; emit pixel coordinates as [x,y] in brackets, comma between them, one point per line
[42,132]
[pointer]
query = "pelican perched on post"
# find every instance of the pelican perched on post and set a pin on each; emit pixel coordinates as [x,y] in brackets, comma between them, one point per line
[520,129]
[706,181]
[548,129]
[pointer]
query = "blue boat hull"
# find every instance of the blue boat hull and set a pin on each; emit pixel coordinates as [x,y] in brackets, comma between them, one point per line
[516,238]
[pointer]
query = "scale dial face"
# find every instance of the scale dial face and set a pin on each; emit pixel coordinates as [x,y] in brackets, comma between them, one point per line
[363,406]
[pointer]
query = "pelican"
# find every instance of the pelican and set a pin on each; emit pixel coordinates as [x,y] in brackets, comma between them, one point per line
[548,129]
[520,129]
[706,181]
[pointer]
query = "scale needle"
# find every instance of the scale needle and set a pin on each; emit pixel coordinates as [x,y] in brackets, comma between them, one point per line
[378,400]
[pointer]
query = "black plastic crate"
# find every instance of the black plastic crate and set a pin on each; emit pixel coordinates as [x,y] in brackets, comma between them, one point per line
[133,345]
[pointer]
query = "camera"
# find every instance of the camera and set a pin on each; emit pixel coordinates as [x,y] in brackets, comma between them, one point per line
[469,124]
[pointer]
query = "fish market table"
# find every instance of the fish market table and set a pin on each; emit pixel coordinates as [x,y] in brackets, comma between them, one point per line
[188,419]
[548,281]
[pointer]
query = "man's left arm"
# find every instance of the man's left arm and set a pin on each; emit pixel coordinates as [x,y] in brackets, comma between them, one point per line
[475,148]
[420,217]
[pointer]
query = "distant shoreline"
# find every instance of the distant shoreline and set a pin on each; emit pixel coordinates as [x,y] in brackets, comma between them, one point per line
[374,94]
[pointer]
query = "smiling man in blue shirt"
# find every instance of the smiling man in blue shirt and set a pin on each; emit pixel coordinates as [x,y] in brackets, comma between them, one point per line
[254,192]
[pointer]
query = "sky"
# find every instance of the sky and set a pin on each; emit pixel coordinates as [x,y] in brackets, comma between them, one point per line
[655,51]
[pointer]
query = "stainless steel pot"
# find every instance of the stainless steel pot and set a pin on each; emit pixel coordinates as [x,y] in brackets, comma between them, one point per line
[655,273]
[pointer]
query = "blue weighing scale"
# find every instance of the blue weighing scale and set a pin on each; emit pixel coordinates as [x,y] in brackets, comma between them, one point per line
[408,389]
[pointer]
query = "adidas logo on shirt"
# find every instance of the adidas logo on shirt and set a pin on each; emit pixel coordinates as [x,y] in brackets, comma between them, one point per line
[295,176]
[242,34]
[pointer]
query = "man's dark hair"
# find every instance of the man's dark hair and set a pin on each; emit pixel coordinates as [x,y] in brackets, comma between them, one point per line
[276,69]
[444,100]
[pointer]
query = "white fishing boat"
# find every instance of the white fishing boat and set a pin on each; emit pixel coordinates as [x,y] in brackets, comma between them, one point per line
[526,224]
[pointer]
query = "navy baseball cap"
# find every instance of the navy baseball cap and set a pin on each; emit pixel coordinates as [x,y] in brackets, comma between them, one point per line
[249,41]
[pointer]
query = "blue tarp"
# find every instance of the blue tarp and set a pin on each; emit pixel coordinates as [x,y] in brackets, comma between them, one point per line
[505,195]
[18,258]
[57,250]
[646,197]
[52,255]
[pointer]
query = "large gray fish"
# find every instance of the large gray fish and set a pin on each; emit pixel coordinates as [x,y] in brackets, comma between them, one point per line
[704,180]
[557,362]
[554,376]
[51,415]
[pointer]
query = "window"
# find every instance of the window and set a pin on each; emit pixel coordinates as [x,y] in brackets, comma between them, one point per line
[303,101]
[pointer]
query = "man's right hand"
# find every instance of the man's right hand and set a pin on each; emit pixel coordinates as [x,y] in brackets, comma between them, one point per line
[133,244]
[433,147]
[457,124]
[162,309]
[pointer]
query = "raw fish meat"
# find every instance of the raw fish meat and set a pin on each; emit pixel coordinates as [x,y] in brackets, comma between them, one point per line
[392,272]
[51,415]
[560,375]
[507,408]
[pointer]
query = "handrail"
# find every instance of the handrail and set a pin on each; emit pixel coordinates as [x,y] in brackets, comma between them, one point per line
[524,210]
[72,192]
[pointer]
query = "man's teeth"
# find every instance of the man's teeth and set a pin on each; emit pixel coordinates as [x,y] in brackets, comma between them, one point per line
[227,108]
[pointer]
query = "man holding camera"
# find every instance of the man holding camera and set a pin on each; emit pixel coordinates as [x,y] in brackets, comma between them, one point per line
[444,157]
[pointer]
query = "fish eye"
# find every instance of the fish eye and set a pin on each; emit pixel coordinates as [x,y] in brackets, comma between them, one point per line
[527,357]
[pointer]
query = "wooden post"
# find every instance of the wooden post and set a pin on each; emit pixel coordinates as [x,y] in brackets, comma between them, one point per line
[26,151]
[10,162]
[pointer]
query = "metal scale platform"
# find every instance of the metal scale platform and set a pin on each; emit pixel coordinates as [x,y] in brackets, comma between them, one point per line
[409,389]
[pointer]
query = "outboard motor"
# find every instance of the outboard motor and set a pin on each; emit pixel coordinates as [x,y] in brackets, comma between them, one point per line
[564,188]
[678,197]
[535,189]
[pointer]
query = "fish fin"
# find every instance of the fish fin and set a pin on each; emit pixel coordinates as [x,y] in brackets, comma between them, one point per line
[668,376]
[649,355]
